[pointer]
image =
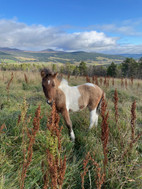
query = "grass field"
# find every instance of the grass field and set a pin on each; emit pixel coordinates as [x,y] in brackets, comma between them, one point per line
[22,97]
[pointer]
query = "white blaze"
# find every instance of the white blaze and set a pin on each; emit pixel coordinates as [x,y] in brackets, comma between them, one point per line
[48,82]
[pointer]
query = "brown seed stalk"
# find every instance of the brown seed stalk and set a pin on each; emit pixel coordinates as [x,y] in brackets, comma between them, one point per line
[1,128]
[88,79]
[133,119]
[116,105]
[55,165]
[113,81]
[28,155]
[105,131]
[26,78]
[100,176]
[122,82]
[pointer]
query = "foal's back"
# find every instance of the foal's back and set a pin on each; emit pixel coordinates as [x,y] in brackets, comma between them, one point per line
[90,95]
[81,96]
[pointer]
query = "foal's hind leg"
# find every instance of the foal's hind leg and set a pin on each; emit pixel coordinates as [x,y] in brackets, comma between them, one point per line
[66,117]
[93,118]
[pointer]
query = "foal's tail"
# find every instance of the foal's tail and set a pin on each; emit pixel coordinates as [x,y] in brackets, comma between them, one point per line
[100,102]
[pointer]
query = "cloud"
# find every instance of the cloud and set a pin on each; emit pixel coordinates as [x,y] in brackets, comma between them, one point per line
[20,35]
[130,27]
[89,41]
[126,49]
[38,37]
[126,30]
[133,22]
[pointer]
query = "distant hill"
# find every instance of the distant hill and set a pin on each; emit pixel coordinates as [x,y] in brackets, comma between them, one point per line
[135,56]
[7,49]
[49,51]
[51,56]
[6,56]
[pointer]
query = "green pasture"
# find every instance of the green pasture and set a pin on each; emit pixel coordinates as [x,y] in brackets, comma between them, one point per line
[125,173]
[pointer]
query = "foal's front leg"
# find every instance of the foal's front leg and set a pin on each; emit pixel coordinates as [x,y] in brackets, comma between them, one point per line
[66,117]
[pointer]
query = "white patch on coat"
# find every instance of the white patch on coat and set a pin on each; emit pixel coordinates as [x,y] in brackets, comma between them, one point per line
[72,95]
[48,82]
[90,84]
[93,118]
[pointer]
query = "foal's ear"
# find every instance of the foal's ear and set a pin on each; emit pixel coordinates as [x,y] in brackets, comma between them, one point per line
[55,75]
[43,73]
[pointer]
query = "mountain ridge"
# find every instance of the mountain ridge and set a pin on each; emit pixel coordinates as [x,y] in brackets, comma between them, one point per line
[53,56]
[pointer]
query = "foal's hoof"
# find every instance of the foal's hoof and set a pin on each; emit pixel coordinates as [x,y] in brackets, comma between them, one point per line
[72,136]
[73,140]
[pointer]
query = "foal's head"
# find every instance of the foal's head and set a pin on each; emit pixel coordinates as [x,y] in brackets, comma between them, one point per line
[49,84]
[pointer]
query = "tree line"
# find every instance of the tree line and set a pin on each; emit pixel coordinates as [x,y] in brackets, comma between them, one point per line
[128,68]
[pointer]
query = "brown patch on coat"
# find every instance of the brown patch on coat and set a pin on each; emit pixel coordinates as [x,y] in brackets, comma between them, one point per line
[60,100]
[90,96]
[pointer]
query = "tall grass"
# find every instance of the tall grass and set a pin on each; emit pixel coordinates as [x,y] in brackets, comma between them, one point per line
[43,157]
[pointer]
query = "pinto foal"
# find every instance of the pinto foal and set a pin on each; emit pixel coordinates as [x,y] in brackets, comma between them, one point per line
[68,98]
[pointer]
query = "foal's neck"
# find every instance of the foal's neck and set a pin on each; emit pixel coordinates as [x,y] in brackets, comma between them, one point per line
[63,83]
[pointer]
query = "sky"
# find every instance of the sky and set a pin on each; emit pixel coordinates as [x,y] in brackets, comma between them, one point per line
[105,26]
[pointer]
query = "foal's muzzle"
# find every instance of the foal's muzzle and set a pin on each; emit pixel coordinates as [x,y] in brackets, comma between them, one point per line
[50,102]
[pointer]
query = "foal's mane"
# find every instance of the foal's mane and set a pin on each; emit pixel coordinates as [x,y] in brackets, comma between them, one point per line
[46,72]
[64,82]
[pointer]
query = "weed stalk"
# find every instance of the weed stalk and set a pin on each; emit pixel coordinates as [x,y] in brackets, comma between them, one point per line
[105,131]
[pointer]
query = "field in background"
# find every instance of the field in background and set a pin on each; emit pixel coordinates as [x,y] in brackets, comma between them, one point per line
[8,55]
[122,172]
